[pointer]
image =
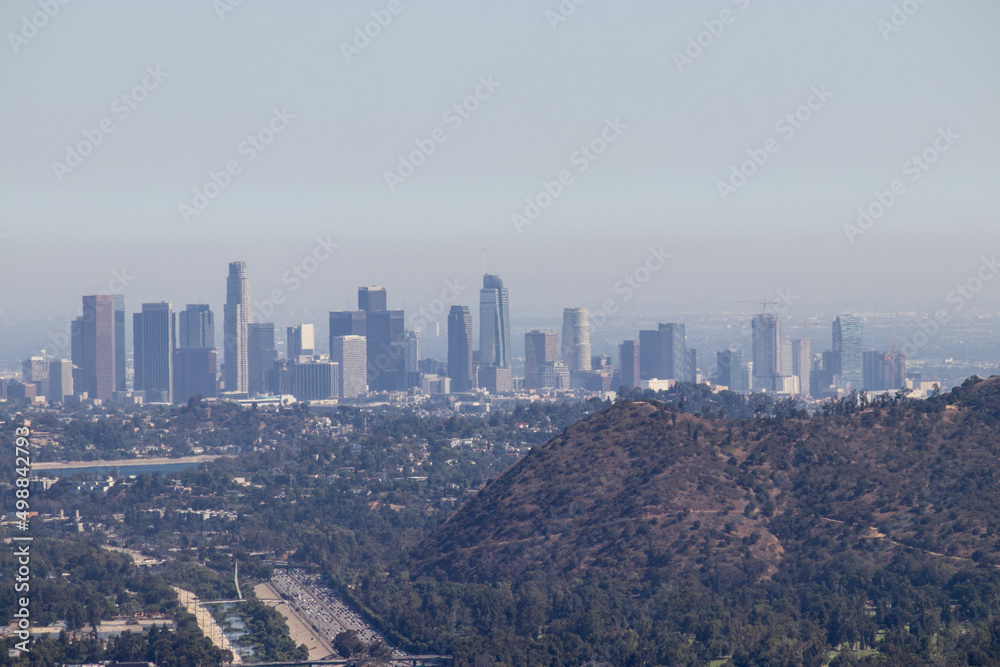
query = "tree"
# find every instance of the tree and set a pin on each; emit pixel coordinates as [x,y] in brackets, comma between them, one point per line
[348,644]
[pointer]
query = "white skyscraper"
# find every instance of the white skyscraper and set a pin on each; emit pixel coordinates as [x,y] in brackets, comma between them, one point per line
[576,339]
[238,314]
[350,353]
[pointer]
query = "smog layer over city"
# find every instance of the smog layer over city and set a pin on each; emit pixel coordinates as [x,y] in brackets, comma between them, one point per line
[548,332]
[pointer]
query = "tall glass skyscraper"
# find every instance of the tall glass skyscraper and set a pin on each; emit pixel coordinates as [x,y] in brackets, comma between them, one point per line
[494,323]
[847,333]
[576,339]
[238,314]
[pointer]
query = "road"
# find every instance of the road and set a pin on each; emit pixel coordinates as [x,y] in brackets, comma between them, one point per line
[298,626]
[326,612]
[120,463]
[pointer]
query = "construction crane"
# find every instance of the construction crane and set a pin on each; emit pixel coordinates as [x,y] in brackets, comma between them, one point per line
[763,304]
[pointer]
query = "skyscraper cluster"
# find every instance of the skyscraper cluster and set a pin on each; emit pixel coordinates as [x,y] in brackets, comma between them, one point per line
[370,350]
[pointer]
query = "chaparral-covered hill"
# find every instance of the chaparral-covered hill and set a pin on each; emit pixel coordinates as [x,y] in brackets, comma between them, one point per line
[646,535]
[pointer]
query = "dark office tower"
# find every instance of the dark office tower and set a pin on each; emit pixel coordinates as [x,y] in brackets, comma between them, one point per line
[60,380]
[674,356]
[237,315]
[847,332]
[261,356]
[386,354]
[459,348]
[540,348]
[119,301]
[729,370]
[576,339]
[280,377]
[194,373]
[650,355]
[692,365]
[766,351]
[301,341]
[371,299]
[628,361]
[873,370]
[153,351]
[495,380]
[349,323]
[97,341]
[494,323]
[197,326]
[802,360]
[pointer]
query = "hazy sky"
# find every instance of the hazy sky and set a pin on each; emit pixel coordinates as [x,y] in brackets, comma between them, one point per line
[183,86]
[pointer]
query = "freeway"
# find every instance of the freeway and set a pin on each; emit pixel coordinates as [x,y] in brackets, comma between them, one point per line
[326,612]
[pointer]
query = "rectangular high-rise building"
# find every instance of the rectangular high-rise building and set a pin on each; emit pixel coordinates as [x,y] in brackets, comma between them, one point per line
[894,370]
[460,349]
[348,323]
[195,373]
[372,299]
[97,346]
[650,354]
[315,380]
[729,370]
[802,362]
[119,302]
[153,351]
[847,337]
[674,356]
[785,362]
[766,351]
[260,356]
[495,379]
[411,349]
[494,323]
[386,356]
[540,348]
[301,341]
[197,326]
[350,353]
[60,378]
[237,315]
[576,339]
[36,370]
[628,361]
[873,370]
